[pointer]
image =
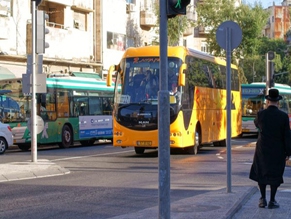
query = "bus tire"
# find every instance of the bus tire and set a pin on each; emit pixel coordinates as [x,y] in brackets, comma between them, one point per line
[3,145]
[139,150]
[194,149]
[67,137]
[24,147]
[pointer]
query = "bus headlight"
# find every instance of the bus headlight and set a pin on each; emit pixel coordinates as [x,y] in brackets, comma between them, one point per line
[118,133]
[176,134]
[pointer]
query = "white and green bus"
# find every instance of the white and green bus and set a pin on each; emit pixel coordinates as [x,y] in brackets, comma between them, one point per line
[73,109]
[253,100]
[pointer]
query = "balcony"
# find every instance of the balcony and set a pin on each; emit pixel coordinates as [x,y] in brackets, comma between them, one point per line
[189,31]
[204,30]
[147,19]
[130,8]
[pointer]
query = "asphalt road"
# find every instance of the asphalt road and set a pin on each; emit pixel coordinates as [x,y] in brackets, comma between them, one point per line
[106,182]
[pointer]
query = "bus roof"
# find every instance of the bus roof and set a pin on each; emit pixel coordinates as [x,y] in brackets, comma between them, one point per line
[283,88]
[71,82]
[173,51]
[263,84]
[78,83]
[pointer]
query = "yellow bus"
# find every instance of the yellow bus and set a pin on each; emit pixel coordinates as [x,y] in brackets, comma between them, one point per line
[197,110]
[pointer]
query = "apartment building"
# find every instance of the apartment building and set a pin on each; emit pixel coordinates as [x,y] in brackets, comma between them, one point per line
[278,22]
[84,35]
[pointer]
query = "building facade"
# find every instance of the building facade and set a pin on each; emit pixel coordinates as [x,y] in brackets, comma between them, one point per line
[278,22]
[84,35]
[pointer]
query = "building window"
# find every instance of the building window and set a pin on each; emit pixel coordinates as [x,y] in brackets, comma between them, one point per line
[81,17]
[80,20]
[55,13]
[131,1]
[5,8]
[115,41]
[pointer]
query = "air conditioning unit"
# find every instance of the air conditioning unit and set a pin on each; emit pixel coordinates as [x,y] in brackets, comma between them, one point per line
[130,8]
[76,24]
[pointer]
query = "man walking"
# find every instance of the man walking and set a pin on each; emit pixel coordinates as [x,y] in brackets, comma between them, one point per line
[273,148]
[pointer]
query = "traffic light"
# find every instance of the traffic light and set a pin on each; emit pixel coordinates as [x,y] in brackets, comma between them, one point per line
[176,7]
[271,55]
[41,31]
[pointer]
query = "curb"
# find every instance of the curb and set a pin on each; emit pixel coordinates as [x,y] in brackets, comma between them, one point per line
[29,170]
[239,204]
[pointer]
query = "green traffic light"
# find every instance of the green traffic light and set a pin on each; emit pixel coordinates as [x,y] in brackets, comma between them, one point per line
[178,5]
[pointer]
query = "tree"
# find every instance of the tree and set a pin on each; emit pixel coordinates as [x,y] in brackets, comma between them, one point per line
[176,26]
[212,13]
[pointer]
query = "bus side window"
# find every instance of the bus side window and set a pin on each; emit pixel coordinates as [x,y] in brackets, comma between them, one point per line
[80,107]
[63,104]
[217,76]
[95,106]
[208,75]
[107,109]
[283,105]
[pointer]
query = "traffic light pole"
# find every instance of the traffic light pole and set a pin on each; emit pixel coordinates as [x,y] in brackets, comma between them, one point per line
[33,133]
[269,70]
[164,119]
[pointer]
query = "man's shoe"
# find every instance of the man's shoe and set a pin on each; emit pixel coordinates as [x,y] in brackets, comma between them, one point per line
[262,203]
[273,204]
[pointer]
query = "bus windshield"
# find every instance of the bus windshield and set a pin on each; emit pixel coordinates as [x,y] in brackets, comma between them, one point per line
[137,98]
[140,79]
[252,100]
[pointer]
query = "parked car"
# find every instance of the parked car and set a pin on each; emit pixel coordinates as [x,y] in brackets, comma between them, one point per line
[6,137]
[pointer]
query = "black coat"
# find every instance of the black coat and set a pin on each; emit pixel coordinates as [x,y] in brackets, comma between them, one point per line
[273,145]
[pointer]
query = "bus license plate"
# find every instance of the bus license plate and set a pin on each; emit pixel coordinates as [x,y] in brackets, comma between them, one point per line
[144,143]
[245,130]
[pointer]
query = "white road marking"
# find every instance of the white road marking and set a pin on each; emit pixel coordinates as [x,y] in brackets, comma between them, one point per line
[96,155]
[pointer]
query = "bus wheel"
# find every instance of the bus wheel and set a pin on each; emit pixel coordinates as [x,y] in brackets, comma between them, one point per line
[67,137]
[194,149]
[139,150]
[24,147]
[3,145]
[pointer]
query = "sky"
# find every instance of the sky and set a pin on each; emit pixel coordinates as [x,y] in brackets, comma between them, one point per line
[265,3]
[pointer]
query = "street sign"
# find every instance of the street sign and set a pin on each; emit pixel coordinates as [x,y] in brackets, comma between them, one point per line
[39,124]
[236,34]
[40,85]
[228,36]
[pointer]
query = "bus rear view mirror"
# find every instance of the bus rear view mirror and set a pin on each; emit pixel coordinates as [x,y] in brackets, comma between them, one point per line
[109,75]
[182,75]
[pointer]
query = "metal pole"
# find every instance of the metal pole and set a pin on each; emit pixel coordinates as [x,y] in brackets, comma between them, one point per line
[267,74]
[164,119]
[33,100]
[228,108]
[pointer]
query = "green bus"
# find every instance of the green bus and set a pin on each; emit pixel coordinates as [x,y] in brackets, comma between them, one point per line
[73,109]
[253,100]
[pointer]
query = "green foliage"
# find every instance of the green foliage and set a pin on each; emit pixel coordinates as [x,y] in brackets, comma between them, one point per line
[253,67]
[176,26]
[212,13]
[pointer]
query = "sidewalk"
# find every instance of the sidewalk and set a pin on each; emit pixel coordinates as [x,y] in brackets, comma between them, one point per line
[29,170]
[215,204]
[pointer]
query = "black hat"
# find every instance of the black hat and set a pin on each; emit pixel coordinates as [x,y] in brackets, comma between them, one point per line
[273,95]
